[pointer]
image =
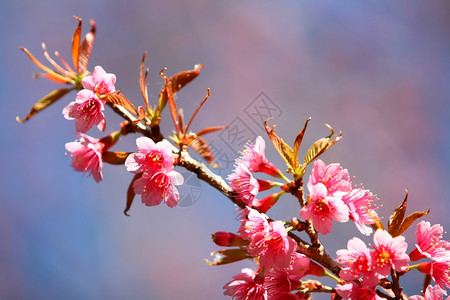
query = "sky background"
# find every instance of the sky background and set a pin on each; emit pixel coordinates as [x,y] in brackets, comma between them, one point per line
[376,70]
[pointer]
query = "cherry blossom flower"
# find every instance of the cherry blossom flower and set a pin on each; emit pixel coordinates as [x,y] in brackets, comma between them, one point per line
[86,155]
[158,181]
[439,272]
[431,293]
[353,291]
[160,186]
[252,222]
[246,286]
[323,208]
[356,262]
[100,82]
[87,111]
[150,158]
[361,210]
[333,177]
[255,159]
[388,253]
[243,182]
[430,243]
[273,246]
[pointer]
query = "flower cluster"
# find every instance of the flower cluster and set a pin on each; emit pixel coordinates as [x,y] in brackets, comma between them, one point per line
[332,197]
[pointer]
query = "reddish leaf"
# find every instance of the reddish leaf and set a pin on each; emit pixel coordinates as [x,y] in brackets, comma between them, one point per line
[377,224]
[283,149]
[178,81]
[227,256]
[86,47]
[321,146]
[208,93]
[298,141]
[211,129]
[48,99]
[407,222]
[172,104]
[115,158]
[76,45]
[202,148]
[143,81]
[119,99]
[131,193]
[396,218]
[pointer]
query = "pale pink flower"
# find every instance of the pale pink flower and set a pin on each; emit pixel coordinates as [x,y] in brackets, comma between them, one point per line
[361,209]
[389,253]
[353,291]
[274,247]
[323,208]
[244,184]
[246,286]
[150,158]
[255,159]
[356,262]
[430,243]
[87,111]
[333,177]
[252,222]
[431,293]
[160,186]
[100,82]
[86,155]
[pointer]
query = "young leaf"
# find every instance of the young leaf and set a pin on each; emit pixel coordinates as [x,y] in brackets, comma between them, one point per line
[298,141]
[76,45]
[321,146]
[283,149]
[396,218]
[227,256]
[131,193]
[202,148]
[211,129]
[407,222]
[86,47]
[48,99]
[118,98]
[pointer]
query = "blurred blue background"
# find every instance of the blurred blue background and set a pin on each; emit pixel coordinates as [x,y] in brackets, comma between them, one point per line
[377,70]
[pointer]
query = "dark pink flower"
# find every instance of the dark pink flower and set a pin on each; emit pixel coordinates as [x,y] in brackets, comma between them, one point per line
[159,187]
[87,111]
[252,222]
[323,208]
[86,155]
[255,159]
[356,262]
[388,253]
[243,183]
[100,82]
[430,243]
[333,177]
[353,291]
[273,246]
[246,286]
[150,158]
[361,209]
[431,293]
[439,272]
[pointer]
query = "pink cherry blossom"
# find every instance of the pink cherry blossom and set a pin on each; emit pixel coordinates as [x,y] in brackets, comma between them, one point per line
[356,262]
[246,286]
[389,253]
[86,155]
[100,82]
[243,183]
[430,243]
[333,177]
[273,247]
[150,158]
[255,159]
[160,186]
[252,222]
[87,111]
[353,291]
[431,293]
[361,209]
[439,272]
[322,209]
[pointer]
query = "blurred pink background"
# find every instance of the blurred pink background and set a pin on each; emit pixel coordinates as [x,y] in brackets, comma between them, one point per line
[376,70]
